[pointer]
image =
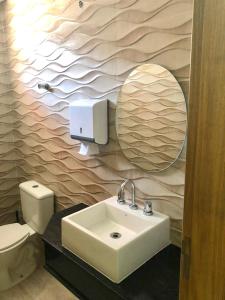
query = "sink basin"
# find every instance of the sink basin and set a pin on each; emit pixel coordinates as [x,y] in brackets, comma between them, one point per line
[114,239]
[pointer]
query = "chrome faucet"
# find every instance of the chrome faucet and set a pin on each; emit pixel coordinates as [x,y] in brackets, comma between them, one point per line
[148,208]
[121,194]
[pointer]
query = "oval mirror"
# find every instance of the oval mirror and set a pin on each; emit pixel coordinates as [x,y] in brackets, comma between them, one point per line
[151,118]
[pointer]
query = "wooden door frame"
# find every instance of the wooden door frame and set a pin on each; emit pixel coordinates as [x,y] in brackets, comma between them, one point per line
[203,254]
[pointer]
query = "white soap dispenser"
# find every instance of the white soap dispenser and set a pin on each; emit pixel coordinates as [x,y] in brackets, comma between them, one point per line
[89,124]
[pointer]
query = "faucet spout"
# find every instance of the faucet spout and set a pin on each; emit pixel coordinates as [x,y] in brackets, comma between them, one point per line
[121,194]
[133,204]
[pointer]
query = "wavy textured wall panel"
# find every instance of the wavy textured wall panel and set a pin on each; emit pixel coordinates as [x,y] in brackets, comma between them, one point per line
[88,53]
[8,172]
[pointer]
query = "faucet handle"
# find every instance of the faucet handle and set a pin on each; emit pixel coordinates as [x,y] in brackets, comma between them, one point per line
[148,208]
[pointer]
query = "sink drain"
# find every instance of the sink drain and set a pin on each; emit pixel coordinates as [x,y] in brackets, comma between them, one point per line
[115,235]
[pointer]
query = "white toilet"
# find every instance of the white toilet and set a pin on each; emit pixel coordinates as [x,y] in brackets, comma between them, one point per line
[20,249]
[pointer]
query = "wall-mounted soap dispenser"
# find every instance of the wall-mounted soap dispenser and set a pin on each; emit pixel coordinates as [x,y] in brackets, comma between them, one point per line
[89,124]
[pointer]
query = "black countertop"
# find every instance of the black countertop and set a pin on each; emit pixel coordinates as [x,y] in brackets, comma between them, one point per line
[157,279]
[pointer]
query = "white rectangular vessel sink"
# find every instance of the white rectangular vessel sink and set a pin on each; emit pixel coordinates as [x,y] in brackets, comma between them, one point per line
[114,239]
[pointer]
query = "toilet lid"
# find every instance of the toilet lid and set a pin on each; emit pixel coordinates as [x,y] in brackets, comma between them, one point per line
[12,234]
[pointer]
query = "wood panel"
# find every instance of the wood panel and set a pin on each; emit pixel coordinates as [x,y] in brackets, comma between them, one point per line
[204,212]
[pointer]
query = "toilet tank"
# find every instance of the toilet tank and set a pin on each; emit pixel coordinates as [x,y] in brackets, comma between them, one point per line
[37,203]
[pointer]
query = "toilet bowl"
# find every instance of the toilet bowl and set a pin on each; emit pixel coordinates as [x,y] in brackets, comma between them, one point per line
[20,247]
[17,255]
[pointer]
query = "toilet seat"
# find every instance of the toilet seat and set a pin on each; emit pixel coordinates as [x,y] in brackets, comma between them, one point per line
[12,235]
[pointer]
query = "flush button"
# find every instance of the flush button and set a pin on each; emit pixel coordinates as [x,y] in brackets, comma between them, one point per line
[35,186]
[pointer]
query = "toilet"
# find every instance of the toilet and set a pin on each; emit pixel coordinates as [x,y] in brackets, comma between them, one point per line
[20,247]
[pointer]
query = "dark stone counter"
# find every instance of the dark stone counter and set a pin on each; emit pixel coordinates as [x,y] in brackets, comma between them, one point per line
[157,279]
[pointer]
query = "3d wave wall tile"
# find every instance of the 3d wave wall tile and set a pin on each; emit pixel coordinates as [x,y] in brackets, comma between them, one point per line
[88,52]
[8,159]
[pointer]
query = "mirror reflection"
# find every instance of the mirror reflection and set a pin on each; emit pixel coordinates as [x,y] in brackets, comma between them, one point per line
[151,118]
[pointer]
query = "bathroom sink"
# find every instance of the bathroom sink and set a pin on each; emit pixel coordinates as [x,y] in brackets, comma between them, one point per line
[114,239]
